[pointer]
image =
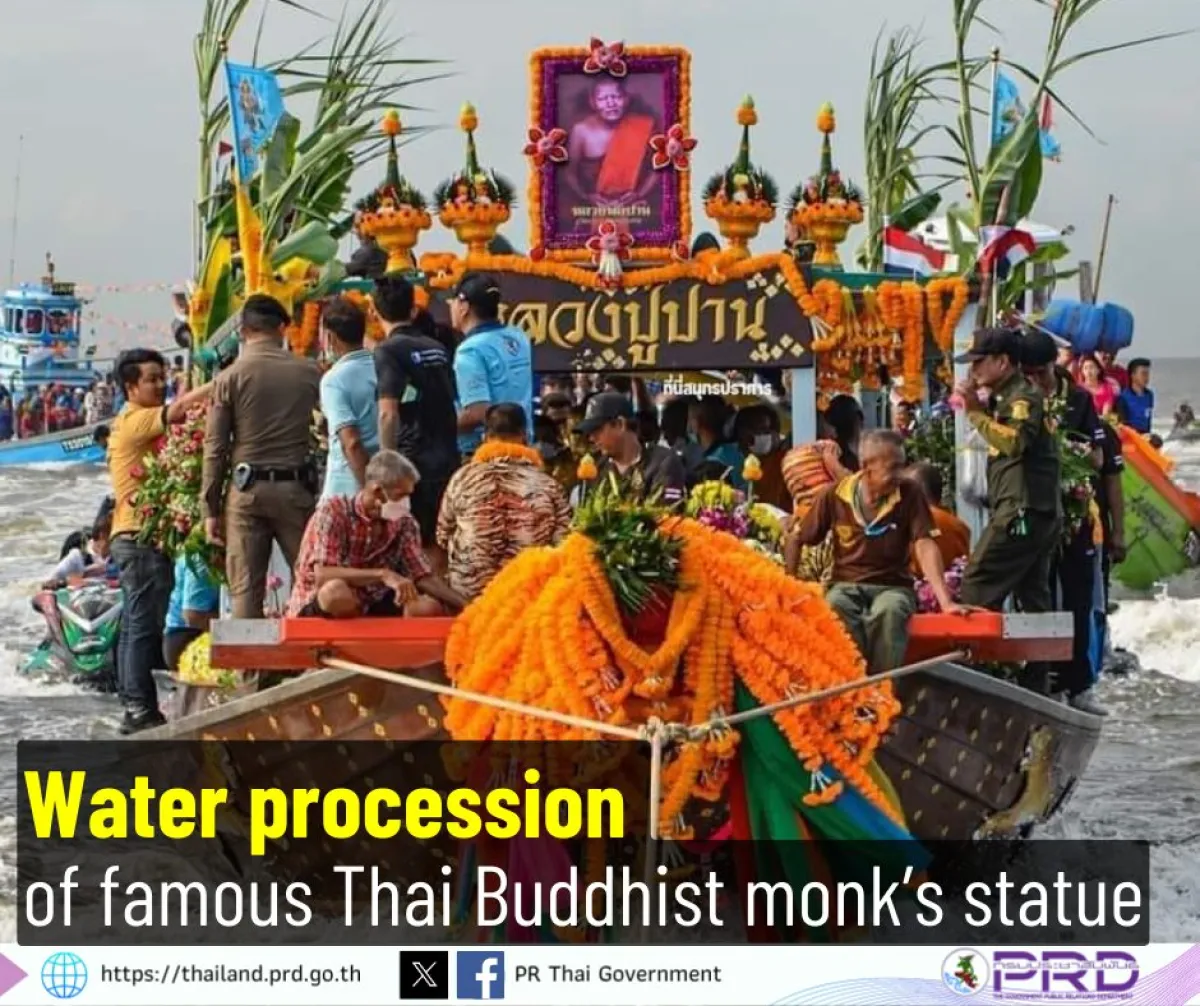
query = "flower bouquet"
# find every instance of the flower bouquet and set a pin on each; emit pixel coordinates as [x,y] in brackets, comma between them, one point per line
[168,499]
[926,601]
[1078,490]
[719,506]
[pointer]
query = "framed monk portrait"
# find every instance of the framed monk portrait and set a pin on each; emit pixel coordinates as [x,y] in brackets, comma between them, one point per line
[609,140]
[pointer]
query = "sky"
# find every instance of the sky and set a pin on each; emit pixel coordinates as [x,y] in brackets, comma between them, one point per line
[104,94]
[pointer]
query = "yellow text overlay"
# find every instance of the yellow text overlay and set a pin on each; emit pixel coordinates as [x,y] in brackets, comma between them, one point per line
[56,801]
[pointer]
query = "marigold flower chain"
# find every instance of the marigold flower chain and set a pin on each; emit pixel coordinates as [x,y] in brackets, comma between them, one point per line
[547,632]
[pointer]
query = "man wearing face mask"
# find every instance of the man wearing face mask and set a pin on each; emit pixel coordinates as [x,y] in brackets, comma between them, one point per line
[362,555]
[757,431]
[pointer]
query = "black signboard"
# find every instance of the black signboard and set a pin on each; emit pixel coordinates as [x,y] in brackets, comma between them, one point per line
[752,323]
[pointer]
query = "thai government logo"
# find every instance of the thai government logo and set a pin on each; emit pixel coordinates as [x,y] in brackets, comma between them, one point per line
[64,975]
[1067,975]
[965,972]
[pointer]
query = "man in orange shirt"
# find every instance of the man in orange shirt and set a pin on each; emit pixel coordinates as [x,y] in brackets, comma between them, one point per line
[951,535]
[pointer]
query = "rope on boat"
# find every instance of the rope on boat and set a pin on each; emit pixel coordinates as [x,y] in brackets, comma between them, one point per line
[655,732]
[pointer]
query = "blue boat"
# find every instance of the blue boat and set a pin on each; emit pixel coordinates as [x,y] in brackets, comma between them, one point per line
[67,447]
[40,325]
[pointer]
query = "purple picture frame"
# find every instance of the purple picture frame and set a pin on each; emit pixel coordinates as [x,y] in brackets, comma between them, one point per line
[673,225]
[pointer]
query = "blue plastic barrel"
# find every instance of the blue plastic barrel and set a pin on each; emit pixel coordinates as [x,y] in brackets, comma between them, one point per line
[1118,328]
[1079,324]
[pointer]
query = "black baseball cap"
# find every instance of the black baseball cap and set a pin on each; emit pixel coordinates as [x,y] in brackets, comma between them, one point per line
[479,291]
[604,408]
[991,342]
[1038,349]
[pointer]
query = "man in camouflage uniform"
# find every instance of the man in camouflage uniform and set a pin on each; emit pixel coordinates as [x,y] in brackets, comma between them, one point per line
[1014,552]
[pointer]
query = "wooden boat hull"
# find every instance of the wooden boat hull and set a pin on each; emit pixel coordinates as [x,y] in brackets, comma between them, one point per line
[970,756]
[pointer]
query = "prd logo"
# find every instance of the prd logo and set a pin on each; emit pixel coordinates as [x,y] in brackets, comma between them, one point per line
[965,972]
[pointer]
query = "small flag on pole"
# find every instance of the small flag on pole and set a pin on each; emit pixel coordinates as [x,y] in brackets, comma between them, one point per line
[1050,146]
[1004,247]
[903,253]
[1008,110]
[255,108]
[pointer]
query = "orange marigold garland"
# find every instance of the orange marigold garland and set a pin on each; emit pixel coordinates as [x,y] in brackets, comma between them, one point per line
[735,614]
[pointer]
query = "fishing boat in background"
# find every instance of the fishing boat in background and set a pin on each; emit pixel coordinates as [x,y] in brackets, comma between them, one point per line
[40,325]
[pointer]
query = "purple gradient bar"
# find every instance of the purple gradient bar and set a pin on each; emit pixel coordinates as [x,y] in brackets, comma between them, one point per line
[671,67]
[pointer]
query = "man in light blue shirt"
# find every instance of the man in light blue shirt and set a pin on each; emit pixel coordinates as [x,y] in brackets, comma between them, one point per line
[493,364]
[348,399]
[195,601]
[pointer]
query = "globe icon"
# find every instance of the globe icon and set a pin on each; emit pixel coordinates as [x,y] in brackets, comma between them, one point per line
[64,975]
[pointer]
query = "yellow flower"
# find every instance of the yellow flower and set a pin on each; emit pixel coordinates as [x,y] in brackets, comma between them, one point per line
[746,115]
[712,494]
[752,469]
[468,119]
[391,125]
[826,121]
[587,469]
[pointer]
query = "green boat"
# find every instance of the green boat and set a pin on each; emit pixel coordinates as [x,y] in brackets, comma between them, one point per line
[1161,520]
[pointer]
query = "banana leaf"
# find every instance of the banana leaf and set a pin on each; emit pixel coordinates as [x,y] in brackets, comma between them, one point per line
[222,303]
[1005,161]
[332,274]
[312,242]
[279,156]
[916,211]
[1025,187]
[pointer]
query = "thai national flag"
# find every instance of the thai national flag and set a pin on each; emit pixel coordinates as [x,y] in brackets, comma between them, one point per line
[1004,247]
[903,253]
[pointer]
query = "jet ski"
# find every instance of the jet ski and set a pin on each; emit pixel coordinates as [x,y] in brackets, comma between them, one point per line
[82,622]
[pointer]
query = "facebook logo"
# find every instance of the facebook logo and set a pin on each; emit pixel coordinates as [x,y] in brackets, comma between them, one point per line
[480,974]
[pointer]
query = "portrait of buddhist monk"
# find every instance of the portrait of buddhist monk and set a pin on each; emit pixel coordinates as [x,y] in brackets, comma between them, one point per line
[608,173]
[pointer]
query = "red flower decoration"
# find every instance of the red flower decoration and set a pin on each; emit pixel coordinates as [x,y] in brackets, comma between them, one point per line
[672,149]
[609,240]
[608,58]
[537,252]
[547,146]
[682,251]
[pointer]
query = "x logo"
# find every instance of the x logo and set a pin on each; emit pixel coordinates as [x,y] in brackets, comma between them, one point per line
[425,974]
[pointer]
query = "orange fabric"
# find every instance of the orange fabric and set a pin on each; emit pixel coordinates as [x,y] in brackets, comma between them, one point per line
[951,535]
[626,153]
[805,473]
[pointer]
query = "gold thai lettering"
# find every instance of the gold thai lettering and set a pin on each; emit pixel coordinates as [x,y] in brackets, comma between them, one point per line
[531,318]
[754,330]
[643,355]
[610,309]
[633,311]
[577,331]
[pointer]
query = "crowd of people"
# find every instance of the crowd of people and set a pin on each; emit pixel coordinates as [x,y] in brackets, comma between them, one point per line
[445,459]
[54,408]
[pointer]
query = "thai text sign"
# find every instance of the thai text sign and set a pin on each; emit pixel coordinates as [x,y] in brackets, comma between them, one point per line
[686,324]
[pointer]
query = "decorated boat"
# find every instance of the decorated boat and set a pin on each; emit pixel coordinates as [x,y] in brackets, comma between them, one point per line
[40,326]
[692,627]
[1162,521]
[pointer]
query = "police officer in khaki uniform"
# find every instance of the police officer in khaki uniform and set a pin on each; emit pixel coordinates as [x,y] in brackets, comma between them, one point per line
[259,434]
[1014,552]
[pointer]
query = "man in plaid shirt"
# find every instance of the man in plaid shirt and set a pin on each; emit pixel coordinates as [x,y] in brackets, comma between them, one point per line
[362,555]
